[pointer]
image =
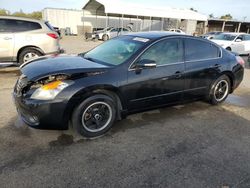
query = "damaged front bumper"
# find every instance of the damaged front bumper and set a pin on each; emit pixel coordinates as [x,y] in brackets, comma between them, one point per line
[41,114]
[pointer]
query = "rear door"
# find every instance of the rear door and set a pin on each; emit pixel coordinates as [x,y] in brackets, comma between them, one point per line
[6,40]
[202,61]
[160,85]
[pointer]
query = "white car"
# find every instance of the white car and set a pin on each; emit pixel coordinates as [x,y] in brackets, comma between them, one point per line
[177,31]
[235,42]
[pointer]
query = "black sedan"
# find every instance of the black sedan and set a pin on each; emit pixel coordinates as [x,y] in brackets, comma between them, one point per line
[124,75]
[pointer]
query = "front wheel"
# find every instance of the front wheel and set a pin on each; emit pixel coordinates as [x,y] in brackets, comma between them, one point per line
[94,116]
[219,90]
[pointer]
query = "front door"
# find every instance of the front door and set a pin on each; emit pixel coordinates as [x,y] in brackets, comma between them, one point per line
[238,45]
[156,86]
[6,41]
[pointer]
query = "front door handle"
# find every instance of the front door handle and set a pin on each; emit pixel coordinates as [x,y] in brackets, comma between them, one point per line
[7,38]
[178,74]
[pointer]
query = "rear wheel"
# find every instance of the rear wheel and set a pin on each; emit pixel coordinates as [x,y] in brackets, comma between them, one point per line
[28,54]
[219,90]
[94,116]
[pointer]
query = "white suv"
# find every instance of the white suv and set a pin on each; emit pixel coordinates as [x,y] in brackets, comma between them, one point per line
[22,39]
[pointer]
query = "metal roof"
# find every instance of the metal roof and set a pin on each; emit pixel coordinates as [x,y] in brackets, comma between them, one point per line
[225,20]
[120,7]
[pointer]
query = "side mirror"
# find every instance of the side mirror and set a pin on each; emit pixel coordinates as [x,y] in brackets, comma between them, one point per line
[146,64]
[238,40]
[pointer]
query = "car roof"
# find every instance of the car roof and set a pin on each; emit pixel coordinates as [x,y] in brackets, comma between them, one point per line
[21,18]
[154,34]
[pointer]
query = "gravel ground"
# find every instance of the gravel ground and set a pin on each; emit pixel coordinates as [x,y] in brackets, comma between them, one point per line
[191,145]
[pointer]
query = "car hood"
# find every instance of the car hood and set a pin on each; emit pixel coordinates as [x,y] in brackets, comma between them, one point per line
[222,43]
[52,65]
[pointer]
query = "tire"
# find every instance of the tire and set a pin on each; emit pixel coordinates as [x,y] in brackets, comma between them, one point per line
[87,116]
[219,90]
[105,37]
[23,56]
[229,49]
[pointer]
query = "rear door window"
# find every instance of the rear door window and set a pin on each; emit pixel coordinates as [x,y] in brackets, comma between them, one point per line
[11,25]
[196,50]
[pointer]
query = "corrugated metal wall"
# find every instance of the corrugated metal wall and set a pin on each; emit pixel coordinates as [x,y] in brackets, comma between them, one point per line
[80,21]
[64,18]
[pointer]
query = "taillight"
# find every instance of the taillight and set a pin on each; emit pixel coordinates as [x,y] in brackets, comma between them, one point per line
[240,60]
[53,35]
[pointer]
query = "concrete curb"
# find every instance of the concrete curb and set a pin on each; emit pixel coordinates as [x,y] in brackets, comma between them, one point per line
[5,70]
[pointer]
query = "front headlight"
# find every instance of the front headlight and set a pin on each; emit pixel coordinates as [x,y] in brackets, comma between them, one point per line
[51,90]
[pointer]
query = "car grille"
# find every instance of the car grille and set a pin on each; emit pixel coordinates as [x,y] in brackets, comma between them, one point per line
[21,83]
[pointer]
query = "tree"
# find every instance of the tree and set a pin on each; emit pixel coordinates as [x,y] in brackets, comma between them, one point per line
[3,12]
[19,13]
[193,9]
[36,15]
[211,15]
[227,17]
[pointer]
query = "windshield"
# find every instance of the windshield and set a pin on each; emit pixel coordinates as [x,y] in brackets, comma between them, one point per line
[228,37]
[116,51]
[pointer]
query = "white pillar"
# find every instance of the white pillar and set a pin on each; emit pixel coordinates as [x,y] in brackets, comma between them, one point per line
[223,26]
[149,28]
[239,27]
[122,20]
[162,23]
[106,20]
[136,26]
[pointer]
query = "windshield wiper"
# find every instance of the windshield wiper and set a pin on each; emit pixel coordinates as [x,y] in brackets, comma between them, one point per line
[90,59]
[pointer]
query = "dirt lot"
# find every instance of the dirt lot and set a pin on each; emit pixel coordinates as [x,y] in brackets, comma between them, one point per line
[192,145]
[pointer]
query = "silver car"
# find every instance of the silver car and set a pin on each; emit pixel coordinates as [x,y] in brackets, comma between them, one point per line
[23,39]
[110,32]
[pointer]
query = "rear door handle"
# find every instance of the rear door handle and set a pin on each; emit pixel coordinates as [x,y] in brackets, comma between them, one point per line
[216,66]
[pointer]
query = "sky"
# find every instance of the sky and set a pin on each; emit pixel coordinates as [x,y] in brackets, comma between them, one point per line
[237,8]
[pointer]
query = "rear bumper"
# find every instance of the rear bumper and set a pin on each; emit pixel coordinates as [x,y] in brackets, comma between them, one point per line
[238,75]
[42,114]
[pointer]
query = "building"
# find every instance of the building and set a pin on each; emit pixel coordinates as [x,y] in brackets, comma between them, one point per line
[215,24]
[102,13]
[97,14]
